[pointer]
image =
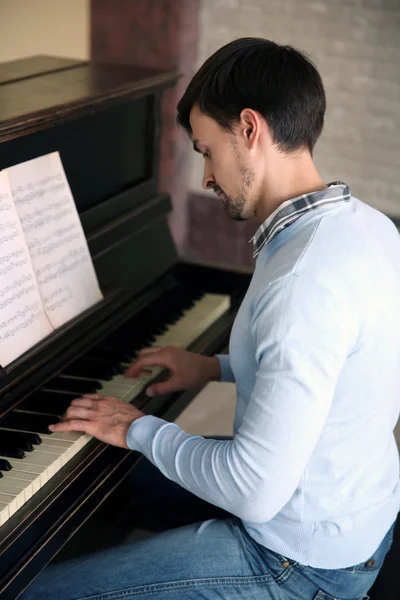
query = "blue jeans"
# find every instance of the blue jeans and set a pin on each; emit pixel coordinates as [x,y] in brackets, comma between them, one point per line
[212,558]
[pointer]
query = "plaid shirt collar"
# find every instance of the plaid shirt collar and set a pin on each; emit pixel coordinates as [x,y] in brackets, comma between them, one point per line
[290,210]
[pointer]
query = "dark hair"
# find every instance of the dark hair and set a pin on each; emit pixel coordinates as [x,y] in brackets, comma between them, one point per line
[277,81]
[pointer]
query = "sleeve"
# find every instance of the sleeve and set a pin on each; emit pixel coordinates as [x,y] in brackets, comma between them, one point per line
[226,370]
[301,346]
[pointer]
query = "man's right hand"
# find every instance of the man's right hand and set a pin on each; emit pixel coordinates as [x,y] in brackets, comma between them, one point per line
[187,370]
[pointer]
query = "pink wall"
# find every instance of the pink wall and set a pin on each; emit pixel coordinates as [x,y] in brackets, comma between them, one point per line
[159,34]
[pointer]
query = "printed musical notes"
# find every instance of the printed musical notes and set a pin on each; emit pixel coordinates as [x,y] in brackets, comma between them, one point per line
[46,271]
[23,322]
[57,245]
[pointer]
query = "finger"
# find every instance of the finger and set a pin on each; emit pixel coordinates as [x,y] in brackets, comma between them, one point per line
[151,350]
[71,425]
[77,412]
[84,402]
[92,396]
[163,387]
[156,359]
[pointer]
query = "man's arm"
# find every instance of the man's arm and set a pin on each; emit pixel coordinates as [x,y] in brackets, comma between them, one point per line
[302,340]
[303,337]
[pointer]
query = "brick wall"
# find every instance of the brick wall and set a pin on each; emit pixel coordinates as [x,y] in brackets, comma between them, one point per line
[356,46]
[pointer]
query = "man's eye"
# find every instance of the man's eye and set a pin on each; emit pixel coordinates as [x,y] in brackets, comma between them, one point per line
[206,154]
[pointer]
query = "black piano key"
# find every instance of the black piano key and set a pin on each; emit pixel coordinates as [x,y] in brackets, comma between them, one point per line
[125,345]
[16,440]
[11,452]
[5,465]
[160,329]
[124,341]
[52,403]
[121,356]
[75,386]
[28,421]
[104,351]
[33,438]
[89,371]
[93,368]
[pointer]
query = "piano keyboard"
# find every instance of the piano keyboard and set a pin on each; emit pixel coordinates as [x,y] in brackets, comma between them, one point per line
[30,455]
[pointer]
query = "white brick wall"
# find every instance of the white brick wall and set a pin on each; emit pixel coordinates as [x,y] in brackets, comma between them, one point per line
[356,46]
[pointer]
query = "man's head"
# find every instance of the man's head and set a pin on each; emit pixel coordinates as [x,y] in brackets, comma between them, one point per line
[252,105]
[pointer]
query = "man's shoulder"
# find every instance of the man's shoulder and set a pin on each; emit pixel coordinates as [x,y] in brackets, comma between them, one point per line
[300,250]
[321,249]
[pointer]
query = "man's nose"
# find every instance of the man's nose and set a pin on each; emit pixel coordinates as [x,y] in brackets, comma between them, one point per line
[208,180]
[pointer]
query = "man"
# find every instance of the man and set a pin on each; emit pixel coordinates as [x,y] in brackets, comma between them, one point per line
[310,481]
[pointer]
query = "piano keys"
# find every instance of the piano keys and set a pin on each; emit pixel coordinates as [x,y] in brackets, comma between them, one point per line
[105,122]
[46,453]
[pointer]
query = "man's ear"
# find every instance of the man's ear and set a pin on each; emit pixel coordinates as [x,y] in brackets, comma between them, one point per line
[250,126]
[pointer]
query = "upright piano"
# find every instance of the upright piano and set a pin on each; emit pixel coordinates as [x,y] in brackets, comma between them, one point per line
[104,120]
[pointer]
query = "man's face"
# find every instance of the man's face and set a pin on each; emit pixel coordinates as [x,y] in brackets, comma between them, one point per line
[226,168]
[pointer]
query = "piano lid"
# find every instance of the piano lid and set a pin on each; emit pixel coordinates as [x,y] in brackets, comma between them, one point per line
[104,120]
[43,91]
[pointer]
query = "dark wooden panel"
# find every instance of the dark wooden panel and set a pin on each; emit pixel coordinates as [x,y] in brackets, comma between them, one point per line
[103,153]
[102,214]
[126,223]
[31,104]
[14,70]
[137,260]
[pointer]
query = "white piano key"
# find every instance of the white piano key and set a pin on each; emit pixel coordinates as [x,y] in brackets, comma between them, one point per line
[119,383]
[31,480]
[54,450]
[18,484]
[50,441]
[23,467]
[4,514]
[12,506]
[16,496]
[42,460]
[65,453]
[63,436]
[114,389]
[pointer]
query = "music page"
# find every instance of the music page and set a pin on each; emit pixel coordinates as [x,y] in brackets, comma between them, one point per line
[56,242]
[23,322]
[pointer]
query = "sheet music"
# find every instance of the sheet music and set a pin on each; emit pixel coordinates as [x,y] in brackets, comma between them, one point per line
[23,322]
[59,253]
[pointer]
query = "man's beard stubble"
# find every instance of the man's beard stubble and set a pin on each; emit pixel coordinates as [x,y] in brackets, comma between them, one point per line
[234,207]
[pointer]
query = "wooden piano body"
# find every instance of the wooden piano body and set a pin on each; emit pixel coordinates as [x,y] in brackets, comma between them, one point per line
[105,122]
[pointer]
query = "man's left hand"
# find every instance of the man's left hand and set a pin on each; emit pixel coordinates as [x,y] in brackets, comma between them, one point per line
[103,417]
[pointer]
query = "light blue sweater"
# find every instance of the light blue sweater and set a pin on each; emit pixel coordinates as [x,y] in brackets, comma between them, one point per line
[313,468]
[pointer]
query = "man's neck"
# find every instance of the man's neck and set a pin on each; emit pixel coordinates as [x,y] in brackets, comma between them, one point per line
[297,176]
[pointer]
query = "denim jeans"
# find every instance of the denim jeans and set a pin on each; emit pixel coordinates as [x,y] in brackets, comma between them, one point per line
[199,552]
